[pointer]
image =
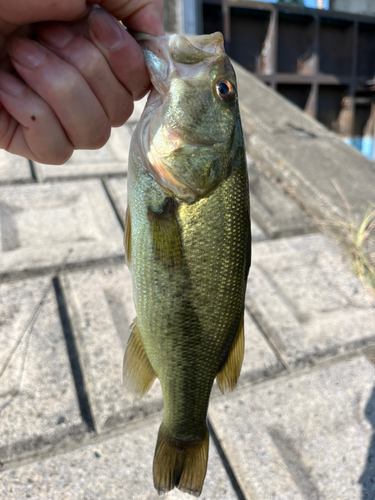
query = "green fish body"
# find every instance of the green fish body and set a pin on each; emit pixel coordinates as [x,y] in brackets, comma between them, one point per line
[187,244]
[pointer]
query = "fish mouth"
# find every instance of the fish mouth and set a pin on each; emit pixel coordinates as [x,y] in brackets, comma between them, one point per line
[176,55]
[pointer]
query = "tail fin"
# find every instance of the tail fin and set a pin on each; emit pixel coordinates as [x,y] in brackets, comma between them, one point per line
[180,464]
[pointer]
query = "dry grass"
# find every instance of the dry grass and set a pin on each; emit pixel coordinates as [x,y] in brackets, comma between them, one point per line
[359,240]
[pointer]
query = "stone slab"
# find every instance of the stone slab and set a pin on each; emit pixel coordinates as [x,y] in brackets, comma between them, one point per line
[273,210]
[101,308]
[14,168]
[117,189]
[41,223]
[308,159]
[307,300]
[38,402]
[115,469]
[260,361]
[257,233]
[119,143]
[110,159]
[308,437]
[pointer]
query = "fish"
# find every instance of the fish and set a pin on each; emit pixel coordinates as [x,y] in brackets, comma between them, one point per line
[188,246]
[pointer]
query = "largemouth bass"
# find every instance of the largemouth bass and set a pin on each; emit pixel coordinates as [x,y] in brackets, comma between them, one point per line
[187,244]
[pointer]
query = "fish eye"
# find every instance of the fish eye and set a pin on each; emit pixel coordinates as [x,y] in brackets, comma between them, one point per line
[224,90]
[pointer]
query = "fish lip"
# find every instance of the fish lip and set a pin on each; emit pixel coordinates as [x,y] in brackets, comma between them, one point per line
[166,56]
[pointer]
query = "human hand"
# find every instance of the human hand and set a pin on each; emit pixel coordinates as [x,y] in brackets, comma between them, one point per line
[68,73]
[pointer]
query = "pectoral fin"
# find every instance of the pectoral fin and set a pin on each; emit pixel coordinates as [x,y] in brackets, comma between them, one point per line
[127,237]
[165,231]
[138,374]
[227,377]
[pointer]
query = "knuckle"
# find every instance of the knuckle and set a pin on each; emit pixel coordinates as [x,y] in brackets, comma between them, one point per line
[66,87]
[91,64]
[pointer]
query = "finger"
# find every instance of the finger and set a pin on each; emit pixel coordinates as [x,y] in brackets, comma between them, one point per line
[140,15]
[20,12]
[28,126]
[65,90]
[122,52]
[80,53]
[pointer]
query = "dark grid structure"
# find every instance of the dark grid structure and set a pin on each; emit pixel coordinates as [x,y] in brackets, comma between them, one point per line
[323,61]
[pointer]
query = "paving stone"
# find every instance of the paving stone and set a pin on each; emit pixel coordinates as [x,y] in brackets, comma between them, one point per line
[39,224]
[257,233]
[259,360]
[370,353]
[100,304]
[313,162]
[110,159]
[307,300]
[14,168]
[119,144]
[308,437]
[273,210]
[118,191]
[117,468]
[101,308]
[38,402]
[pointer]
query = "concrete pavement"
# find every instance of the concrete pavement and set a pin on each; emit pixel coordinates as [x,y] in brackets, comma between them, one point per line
[299,425]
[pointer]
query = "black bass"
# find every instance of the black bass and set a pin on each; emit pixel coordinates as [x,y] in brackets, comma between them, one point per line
[187,244]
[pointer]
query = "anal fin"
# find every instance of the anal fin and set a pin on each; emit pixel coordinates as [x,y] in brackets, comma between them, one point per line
[138,374]
[228,375]
[180,464]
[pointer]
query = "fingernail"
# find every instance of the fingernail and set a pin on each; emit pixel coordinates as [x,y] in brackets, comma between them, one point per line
[56,35]
[27,52]
[10,85]
[106,29]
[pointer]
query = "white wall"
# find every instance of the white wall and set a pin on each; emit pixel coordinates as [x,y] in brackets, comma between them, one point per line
[354,6]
